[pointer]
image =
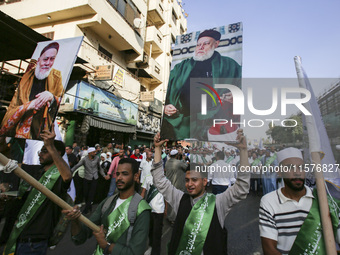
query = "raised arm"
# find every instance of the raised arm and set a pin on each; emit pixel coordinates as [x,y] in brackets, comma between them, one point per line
[80,163]
[64,169]
[171,194]
[240,189]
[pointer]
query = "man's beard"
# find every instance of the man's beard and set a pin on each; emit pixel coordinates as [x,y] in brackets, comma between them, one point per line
[41,75]
[205,56]
[288,182]
[127,185]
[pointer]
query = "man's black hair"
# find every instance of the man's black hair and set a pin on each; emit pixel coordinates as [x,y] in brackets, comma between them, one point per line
[60,146]
[133,162]
[203,170]
[220,155]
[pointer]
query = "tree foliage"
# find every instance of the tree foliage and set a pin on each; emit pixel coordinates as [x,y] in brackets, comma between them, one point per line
[287,134]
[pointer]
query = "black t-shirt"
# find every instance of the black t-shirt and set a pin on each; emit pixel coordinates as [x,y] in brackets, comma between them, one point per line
[48,214]
[72,159]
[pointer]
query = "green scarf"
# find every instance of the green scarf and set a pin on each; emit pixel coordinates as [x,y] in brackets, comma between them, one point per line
[204,160]
[30,207]
[118,221]
[270,160]
[197,225]
[256,162]
[153,191]
[229,159]
[310,238]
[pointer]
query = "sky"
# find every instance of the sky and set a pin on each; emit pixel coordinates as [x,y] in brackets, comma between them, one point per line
[273,33]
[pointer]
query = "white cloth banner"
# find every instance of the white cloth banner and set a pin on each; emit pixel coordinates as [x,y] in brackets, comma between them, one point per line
[318,138]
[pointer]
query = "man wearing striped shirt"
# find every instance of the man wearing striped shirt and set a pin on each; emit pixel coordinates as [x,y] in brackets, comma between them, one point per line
[284,211]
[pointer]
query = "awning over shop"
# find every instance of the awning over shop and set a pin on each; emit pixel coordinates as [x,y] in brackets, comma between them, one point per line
[111,125]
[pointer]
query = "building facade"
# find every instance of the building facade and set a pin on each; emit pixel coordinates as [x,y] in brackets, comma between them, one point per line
[126,57]
[329,104]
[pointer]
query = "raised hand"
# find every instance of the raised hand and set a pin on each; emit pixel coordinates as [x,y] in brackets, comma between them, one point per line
[157,140]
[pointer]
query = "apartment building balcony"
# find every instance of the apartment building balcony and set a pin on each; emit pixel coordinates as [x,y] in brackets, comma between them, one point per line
[111,22]
[155,71]
[156,12]
[154,39]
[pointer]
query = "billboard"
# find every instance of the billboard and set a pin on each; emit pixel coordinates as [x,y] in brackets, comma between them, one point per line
[202,60]
[91,100]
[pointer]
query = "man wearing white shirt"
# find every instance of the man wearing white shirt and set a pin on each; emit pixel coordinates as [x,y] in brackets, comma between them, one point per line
[145,167]
[289,217]
[156,202]
[220,175]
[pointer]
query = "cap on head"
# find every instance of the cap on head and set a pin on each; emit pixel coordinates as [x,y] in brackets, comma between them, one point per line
[53,45]
[174,152]
[210,33]
[91,149]
[290,152]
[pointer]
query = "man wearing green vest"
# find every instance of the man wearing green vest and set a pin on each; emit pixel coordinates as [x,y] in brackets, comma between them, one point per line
[117,235]
[182,116]
[289,217]
[39,216]
[200,216]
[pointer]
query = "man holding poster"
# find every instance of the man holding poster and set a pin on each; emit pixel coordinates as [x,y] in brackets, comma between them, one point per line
[182,111]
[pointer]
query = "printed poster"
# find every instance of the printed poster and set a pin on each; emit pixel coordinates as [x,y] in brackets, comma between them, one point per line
[37,98]
[206,70]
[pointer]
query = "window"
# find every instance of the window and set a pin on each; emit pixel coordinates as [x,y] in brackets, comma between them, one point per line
[173,39]
[104,53]
[127,9]
[121,7]
[174,17]
[182,29]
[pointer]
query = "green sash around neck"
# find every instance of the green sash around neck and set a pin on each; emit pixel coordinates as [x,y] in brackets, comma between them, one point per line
[118,221]
[256,162]
[310,239]
[153,191]
[229,159]
[270,160]
[196,226]
[30,207]
[204,160]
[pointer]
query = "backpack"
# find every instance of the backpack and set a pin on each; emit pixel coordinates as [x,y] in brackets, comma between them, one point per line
[132,211]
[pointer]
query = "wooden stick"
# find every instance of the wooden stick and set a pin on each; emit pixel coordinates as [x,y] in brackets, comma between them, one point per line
[326,221]
[49,194]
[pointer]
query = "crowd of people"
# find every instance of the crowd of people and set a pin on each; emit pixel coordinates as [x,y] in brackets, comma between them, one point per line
[134,189]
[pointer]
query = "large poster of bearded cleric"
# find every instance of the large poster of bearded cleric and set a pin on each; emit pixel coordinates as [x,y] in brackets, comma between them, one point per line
[37,97]
[206,65]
